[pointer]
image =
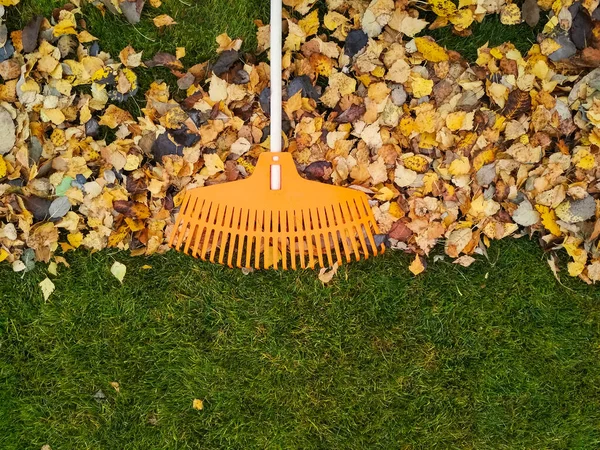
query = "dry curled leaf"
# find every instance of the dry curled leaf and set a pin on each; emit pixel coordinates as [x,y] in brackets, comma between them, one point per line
[326,275]
[163,20]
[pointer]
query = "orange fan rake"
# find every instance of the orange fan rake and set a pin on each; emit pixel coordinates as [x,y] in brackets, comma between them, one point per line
[275,218]
[247,224]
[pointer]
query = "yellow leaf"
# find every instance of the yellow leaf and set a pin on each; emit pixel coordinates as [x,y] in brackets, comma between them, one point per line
[395,210]
[385,194]
[430,50]
[378,92]
[310,23]
[115,116]
[499,93]
[54,115]
[163,20]
[421,87]
[212,164]
[418,163]
[460,166]
[321,63]
[416,267]
[584,159]
[198,404]
[333,19]
[226,43]
[344,84]
[548,46]
[575,268]
[462,19]
[155,3]
[75,239]
[271,255]
[510,14]
[84,37]
[548,219]
[442,8]
[2,167]
[9,2]
[407,125]
[484,157]
[3,254]
[47,287]
[65,26]
[378,72]
[180,52]
[118,270]
[454,121]
[294,103]
[295,37]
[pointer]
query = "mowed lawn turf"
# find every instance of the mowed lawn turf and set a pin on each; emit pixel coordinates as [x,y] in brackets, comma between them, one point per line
[495,356]
[499,355]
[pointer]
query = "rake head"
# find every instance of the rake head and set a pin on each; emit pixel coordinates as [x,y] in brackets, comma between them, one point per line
[247,224]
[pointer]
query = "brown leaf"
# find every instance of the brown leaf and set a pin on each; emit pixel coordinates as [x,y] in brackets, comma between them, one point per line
[518,103]
[531,12]
[31,33]
[319,170]
[400,231]
[10,69]
[351,115]
[131,209]
[162,59]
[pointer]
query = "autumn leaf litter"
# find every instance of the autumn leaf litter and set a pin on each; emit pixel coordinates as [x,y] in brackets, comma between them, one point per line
[448,152]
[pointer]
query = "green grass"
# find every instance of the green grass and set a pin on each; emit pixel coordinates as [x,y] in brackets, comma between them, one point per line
[490,31]
[495,356]
[199,22]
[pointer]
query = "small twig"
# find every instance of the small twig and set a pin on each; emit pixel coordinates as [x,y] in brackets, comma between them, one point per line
[143,35]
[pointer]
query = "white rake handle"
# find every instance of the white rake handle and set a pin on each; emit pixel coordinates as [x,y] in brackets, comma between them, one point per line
[276,87]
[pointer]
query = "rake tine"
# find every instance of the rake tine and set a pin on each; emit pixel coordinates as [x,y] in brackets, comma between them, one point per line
[285,231]
[369,228]
[259,240]
[359,226]
[342,231]
[181,219]
[318,236]
[187,225]
[235,226]
[200,228]
[298,221]
[308,234]
[218,235]
[243,228]
[334,236]
[351,231]
[326,236]
[211,219]
[276,233]
[251,239]
[225,234]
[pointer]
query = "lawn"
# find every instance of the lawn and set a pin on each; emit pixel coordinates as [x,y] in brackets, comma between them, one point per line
[499,355]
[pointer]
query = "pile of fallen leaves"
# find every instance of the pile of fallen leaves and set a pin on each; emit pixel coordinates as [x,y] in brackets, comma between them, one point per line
[448,152]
